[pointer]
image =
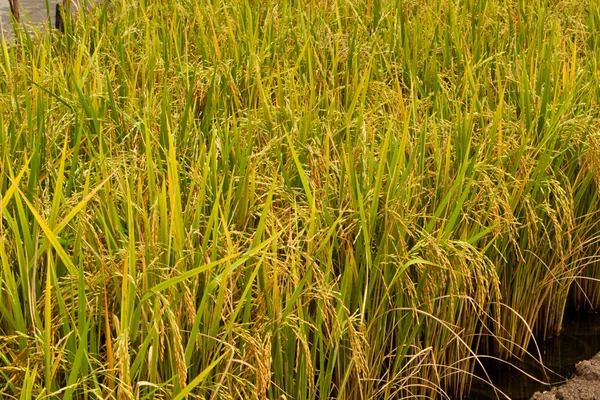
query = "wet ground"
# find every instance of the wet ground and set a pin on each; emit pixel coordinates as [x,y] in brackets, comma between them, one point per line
[579,340]
[34,10]
[584,386]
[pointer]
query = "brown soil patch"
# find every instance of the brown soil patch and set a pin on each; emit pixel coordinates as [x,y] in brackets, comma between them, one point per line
[584,386]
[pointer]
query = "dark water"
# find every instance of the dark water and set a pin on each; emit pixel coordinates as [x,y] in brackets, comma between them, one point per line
[579,340]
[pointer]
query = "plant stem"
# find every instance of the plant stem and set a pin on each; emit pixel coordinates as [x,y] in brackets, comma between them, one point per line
[14,9]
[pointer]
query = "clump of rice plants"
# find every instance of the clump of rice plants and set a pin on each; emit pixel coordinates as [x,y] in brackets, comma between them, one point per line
[294,200]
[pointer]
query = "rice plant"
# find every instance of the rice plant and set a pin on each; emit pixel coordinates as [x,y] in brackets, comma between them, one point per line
[294,200]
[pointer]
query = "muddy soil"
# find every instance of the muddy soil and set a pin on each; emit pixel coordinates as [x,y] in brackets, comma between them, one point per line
[584,386]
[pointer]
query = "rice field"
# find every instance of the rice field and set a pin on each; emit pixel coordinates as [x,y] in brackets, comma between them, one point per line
[281,199]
